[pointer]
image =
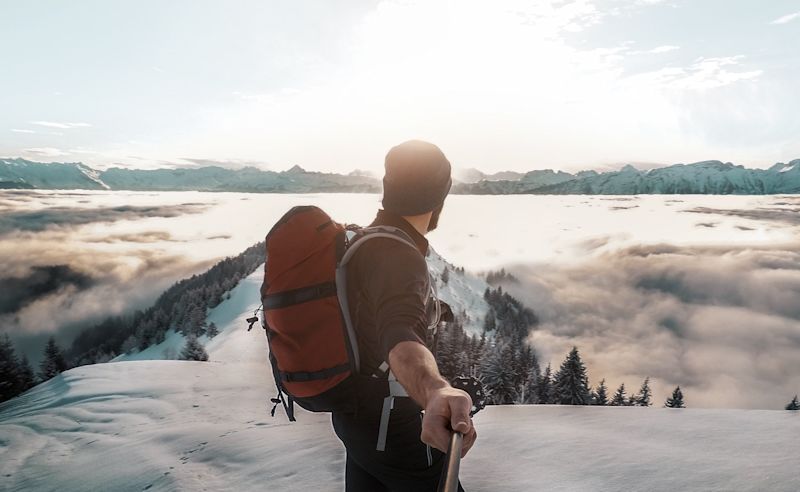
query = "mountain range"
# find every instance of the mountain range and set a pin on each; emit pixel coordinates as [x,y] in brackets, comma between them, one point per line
[707,177]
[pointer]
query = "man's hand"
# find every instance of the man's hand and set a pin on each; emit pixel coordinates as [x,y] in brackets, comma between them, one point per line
[447,410]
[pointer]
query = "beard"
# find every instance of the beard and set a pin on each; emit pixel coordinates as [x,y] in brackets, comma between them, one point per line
[434,222]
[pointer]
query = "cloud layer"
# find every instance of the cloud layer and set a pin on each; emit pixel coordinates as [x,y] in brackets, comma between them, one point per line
[65,217]
[721,322]
[57,279]
[41,281]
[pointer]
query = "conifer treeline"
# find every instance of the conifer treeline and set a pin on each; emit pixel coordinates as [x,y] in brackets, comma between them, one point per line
[509,369]
[182,307]
[16,373]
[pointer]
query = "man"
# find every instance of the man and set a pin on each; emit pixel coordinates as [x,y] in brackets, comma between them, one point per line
[389,289]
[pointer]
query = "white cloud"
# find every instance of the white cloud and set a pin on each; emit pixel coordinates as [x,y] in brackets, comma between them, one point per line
[664,49]
[82,150]
[61,125]
[703,74]
[46,151]
[786,18]
[17,130]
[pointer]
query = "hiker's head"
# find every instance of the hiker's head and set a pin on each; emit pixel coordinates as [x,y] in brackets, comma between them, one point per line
[417,181]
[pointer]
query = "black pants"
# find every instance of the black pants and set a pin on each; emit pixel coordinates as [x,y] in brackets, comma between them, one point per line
[406,465]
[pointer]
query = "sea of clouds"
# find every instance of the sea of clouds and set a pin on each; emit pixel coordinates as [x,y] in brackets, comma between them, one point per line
[720,320]
[700,291]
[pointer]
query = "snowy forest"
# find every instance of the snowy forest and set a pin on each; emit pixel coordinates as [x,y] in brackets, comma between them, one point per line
[509,368]
[182,307]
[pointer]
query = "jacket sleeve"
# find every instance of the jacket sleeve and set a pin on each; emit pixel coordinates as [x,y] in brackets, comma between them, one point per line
[397,284]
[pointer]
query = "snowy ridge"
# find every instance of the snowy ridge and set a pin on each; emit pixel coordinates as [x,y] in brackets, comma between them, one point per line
[53,175]
[176,425]
[463,292]
[93,175]
[707,177]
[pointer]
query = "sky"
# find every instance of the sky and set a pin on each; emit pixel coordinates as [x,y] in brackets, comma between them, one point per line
[331,86]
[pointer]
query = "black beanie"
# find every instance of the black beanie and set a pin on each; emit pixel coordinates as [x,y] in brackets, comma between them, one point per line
[417,178]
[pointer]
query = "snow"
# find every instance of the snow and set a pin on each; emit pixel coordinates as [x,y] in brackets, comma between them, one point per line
[226,314]
[93,174]
[178,425]
[463,292]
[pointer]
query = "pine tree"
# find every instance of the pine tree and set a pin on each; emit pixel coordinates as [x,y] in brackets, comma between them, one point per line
[54,362]
[445,275]
[571,385]
[676,400]
[644,397]
[498,377]
[619,399]
[600,397]
[532,382]
[27,380]
[489,323]
[9,368]
[197,320]
[446,352]
[130,344]
[193,350]
[794,404]
[212,330]
[544,387]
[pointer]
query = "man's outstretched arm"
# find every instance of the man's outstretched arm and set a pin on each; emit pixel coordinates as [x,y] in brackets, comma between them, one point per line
[446,408]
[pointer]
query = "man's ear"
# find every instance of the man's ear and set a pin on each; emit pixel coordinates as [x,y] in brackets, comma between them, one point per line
[433,223]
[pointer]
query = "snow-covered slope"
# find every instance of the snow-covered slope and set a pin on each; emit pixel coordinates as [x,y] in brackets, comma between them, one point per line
[463,292]
[164,425]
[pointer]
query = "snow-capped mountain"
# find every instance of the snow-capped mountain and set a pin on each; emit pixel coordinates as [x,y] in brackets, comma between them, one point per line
[472,175]
[247,179]
[20,173]
[708,177]
[523,184]
[166,425]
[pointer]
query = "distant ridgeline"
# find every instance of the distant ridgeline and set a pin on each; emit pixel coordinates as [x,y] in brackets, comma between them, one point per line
[182,307]
[708,177]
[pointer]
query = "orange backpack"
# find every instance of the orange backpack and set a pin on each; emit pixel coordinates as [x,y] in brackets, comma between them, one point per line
[313,348]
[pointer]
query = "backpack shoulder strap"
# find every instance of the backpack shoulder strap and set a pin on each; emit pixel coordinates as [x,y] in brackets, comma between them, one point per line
[358,238]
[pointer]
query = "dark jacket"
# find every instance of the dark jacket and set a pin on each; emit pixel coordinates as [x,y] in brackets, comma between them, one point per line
[388,292]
